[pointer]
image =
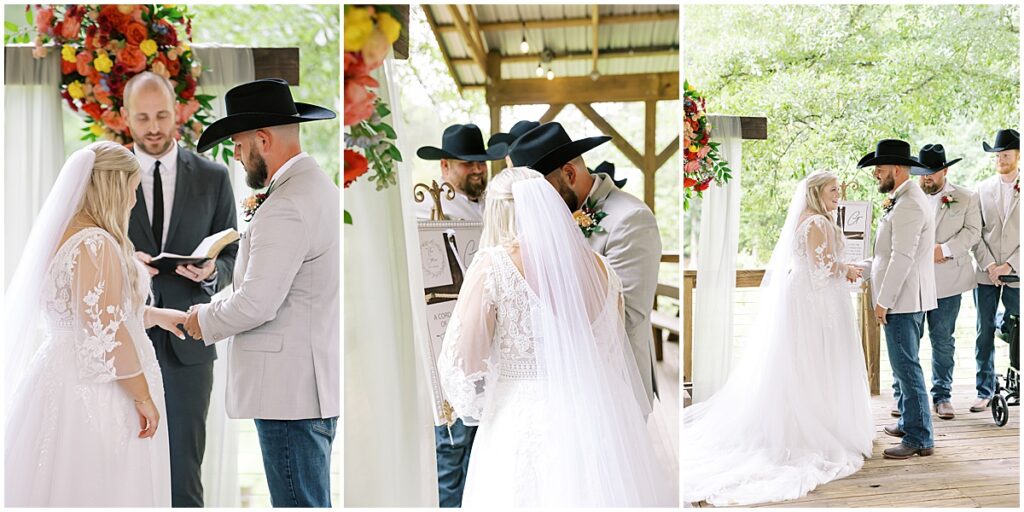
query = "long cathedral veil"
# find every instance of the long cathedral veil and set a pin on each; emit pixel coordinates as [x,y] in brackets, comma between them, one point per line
[22,306]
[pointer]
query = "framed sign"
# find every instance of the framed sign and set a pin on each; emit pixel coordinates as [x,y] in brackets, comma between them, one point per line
[446,251]
[854,219]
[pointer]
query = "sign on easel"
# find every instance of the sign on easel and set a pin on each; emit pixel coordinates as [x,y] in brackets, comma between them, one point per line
[854,219]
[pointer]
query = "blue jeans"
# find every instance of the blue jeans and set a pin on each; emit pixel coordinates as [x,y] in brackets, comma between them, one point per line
[941,324]
[986,299]
[903,338]
[452,462]
[297,460]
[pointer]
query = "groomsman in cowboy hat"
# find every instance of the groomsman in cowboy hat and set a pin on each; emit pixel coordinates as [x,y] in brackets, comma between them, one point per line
[957,229]
[629,237]
[282,316]
[998,257]
[518,130]
[902,275]
[463,165]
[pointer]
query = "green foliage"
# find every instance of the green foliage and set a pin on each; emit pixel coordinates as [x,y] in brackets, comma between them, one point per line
[315,30]
[833,80]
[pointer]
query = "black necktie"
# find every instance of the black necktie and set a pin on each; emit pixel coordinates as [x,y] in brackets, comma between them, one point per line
[158,207]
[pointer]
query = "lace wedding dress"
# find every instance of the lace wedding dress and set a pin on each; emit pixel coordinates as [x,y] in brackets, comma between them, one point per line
[72,432]
[796,412]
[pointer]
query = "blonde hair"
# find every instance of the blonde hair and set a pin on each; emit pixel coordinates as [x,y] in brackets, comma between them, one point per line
[816,183]
[106,200]
[499,208]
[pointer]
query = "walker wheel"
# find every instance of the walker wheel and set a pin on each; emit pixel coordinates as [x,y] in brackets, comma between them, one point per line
[1000,411]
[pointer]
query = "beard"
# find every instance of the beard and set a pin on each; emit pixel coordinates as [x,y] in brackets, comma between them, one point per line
[255,170]
[155,149]
[473,188]
[886,184]
[931,188]
[568,195]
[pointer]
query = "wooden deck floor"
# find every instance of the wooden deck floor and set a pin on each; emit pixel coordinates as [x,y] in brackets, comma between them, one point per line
[664,420]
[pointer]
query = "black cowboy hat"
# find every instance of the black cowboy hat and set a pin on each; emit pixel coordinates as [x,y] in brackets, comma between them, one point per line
[518,130]
[463,142]
[548,146]
[889,152]
[259,104]
[1005,139]
[933,160]
[609,169]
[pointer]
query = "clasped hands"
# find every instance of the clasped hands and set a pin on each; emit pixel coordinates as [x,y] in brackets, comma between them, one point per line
[997,271]
[192,323]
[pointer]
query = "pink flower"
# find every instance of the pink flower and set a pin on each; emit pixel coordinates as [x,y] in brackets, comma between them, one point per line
[70,28]
[82,61]
[114,121]
[692,167]
[376,49]
[185,111]
[358,103]
[44,18]
[703,151]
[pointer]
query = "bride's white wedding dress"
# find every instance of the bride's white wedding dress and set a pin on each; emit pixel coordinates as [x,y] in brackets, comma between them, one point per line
[538,358]
[796,412]
[72,432]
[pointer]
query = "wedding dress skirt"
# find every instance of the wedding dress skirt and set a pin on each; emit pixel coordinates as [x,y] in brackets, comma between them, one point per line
[72,432]
[796,412]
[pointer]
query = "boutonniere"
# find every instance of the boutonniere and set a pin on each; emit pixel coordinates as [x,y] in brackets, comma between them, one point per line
[888,205]
[251,204]
[589,218]
[948,200]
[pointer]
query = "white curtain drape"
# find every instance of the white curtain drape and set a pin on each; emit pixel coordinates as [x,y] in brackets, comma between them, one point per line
[716,267]
[33,144]
[389,429]
[225,68]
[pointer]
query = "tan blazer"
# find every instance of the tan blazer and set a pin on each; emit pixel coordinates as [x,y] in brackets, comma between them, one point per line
[632,245]
[1002,233]
[958,226]
[902,272]
[283,360]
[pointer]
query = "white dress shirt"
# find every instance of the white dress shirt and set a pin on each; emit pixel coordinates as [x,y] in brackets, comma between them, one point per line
[168,177]
[936,200]
[1006,192]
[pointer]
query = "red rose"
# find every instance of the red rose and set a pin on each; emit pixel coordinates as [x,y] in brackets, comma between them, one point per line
[68,67]
[189,91]
[135,33]
[165,33]
[94,111]
[703,186]
[689,182]
[132,58]
[355,166]
[173,66]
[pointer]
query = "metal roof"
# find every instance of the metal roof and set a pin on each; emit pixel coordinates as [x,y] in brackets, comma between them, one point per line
[632,39]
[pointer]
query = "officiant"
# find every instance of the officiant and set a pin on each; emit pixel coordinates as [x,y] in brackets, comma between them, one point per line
[181,200]
[463,160]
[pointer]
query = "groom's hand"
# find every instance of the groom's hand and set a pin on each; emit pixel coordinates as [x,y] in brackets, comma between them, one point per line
[880,313]
[197,274]
[939,257]
[146,259]
[192,324]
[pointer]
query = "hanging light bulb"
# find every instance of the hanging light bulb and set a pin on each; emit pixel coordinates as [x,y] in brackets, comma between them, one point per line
[551,74]
[524,46]
[540,71]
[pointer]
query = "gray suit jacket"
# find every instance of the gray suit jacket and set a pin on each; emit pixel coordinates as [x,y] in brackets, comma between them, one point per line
[958,226]
[1001,233]
[632,245]
[283,362]
[203,205]
[902,272]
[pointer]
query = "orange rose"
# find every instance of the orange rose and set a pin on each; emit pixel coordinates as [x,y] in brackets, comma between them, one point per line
[132,58]
[114,121]
[82,61]
[44,18]
[185,111]
[135,33]
[69,30]
[67,68]
[93,110]
[102,96]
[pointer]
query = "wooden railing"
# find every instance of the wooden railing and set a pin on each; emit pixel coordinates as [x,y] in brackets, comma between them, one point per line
[662,323]
[869,329]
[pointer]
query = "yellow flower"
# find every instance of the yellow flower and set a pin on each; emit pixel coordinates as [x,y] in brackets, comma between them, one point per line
[390,26]
[148,47]
[102,63]
[68,53]
[96,129]
[582,219]
[76,90]
[358,27]
[693,148]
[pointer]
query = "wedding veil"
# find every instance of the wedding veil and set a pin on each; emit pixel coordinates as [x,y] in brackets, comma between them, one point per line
[21,304]
[599,451]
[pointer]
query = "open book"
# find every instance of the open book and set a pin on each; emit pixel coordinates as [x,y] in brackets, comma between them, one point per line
[208,249]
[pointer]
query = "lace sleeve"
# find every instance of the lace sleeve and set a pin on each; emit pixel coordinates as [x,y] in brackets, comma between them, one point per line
[465,365]
[104,348]
[823,249]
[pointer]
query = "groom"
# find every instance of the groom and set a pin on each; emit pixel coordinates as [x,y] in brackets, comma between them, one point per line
[902,275]
[283,363]
[628,237]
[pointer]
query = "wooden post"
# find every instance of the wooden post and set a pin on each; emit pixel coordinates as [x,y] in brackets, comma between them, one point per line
[689,283]
[871,338]
[620,142]
[650,153]
[552,112]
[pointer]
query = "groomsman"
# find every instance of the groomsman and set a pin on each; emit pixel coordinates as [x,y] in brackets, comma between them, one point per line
[181,200]
[463,165]
[998,257]
[902,275]
[630,239]
[957,230]
[518,130]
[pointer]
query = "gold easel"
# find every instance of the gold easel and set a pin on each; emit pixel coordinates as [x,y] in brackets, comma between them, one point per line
[435,191]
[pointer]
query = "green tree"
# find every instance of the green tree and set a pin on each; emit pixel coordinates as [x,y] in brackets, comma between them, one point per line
[833,80]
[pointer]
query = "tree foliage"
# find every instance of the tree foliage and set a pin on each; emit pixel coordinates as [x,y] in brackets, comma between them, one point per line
[833,80]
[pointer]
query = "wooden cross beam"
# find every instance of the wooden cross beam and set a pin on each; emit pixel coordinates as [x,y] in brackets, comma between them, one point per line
[429,12]
[475,51]
[610,53]
[569,22]
[608,88]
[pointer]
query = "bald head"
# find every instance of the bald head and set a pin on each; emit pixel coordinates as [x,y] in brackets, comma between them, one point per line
[149,109]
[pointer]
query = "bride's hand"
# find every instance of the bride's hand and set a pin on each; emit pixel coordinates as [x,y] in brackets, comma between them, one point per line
[168,320]
[853,273]
[149,417]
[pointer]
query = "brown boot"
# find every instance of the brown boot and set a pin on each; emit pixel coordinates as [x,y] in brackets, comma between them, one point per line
[944,410]
[894,430]
[981,405]
[901,451]
[895,410]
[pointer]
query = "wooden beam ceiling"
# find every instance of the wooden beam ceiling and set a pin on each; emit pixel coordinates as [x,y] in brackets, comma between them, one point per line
[569,22]
[519,58]
[594,31]
[429,12]
[475,51]
[639,87]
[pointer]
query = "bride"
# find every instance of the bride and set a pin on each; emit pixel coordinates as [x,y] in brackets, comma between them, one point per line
[535,353]
[796,412]
[84,395]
